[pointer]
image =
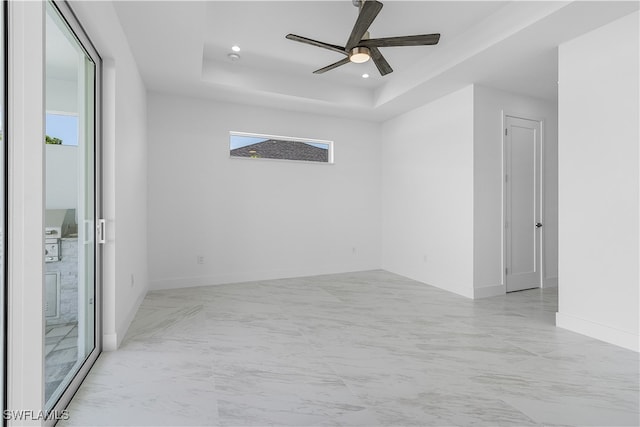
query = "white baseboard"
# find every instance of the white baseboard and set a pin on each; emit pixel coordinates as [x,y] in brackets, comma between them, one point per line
[124,327]
[109,342]
[488,291]
[598,331]
[464,290]
[189,282]
[224,279]
[550,282]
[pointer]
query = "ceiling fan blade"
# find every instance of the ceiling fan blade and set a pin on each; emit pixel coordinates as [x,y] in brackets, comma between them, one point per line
[381,63]
[368,13]
[312,42]
[419,40]
[332,66]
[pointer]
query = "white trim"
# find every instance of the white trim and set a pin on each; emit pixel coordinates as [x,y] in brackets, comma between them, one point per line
[112,341]
[109,342]
[122,330]
[598,331]
[503,200]
[489,291]
[266,159]
[25,262]
[62,113]
[231,279]
[226,279]
[540,172]
[284,138]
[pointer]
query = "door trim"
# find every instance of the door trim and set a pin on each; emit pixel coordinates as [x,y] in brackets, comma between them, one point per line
[540,171]
[25,266]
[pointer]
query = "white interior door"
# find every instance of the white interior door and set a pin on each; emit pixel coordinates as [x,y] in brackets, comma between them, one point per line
[522,204]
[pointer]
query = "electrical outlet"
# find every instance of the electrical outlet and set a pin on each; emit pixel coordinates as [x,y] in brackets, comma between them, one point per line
[200,259]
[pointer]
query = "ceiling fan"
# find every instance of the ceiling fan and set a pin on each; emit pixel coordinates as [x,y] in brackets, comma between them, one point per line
[360,48]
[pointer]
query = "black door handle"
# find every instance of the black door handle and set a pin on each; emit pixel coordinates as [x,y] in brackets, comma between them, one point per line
[538,224]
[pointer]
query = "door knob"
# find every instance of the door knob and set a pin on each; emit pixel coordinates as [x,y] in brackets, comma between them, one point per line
[538,224]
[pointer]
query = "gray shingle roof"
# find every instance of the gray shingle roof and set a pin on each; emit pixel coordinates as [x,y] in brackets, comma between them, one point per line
[281,149]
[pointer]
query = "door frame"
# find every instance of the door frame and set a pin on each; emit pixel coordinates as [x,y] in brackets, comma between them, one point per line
[24,261]
[25,233]
[76,28]
[4,225]
[541,186]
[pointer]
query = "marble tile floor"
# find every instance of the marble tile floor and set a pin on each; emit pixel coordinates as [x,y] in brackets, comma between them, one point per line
[61,354]
[358,349]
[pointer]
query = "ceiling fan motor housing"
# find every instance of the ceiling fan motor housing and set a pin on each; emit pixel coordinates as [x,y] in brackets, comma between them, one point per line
[359,54]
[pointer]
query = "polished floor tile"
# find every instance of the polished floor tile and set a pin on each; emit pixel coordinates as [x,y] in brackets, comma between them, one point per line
[61,355]
[358,349]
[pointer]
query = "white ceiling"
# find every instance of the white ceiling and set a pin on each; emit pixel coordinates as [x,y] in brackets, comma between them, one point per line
[265,47]
[181,47]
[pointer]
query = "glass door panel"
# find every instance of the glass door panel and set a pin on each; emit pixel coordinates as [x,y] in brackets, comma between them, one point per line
[70,215]
[3,198]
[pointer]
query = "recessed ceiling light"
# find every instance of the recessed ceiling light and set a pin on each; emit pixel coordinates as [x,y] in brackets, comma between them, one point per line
[235,48]
[365,76]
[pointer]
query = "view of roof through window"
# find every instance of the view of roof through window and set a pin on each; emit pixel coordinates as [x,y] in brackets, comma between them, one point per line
[281,148]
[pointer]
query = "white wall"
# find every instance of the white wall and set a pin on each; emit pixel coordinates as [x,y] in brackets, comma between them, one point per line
[427,193]
[124,159]
[442,190]
[62,95]
[599,184]
[131,193]
[489,105]
[256,219]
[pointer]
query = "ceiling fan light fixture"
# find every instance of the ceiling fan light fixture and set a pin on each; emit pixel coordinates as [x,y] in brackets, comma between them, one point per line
[359,54]
[360,47]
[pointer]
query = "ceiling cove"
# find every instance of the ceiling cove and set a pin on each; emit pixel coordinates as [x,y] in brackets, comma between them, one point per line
[509,45]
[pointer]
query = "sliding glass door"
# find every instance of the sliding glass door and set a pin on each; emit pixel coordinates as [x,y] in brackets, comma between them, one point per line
[3,206]
[72,252]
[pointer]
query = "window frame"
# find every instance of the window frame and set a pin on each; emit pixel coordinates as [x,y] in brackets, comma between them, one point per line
[330,154]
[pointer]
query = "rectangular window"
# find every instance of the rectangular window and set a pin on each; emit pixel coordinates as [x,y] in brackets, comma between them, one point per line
[61,128]
[255,146]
